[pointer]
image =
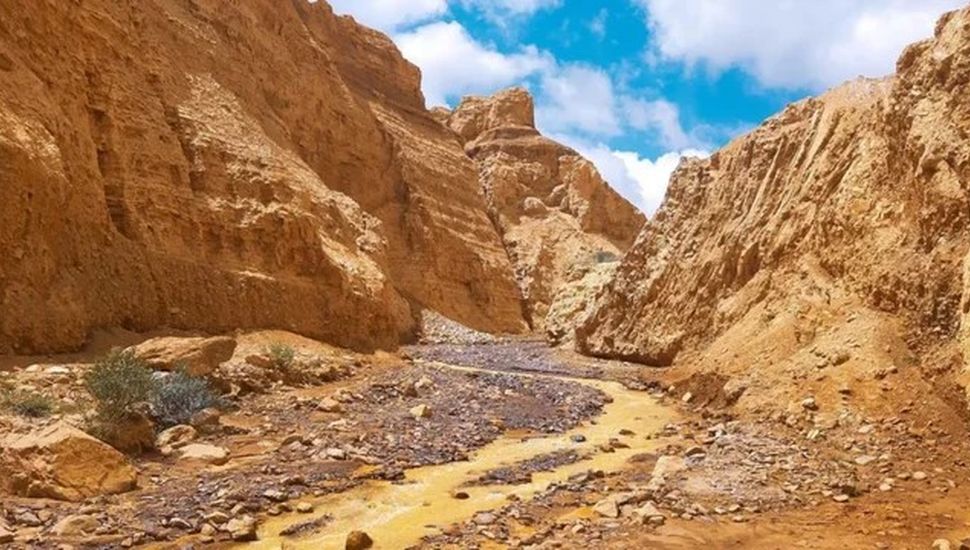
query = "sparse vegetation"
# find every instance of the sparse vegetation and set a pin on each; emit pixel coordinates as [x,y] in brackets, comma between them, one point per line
[29,404]
[282,356]
[179,396]
[119,383]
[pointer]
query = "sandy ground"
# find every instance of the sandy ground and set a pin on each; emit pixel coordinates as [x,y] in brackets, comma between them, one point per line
[699,477]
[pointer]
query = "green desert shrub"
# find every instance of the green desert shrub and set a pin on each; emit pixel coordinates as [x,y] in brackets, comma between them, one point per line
[119,383]
[179,396]
[29,404]
[282,356]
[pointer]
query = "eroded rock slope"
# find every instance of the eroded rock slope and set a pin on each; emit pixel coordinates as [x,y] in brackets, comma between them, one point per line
[217,165]
[563,226]
[820,253]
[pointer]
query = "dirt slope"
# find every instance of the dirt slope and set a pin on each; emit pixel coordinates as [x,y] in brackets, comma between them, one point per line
[563,226]
[214,165]
[821,253]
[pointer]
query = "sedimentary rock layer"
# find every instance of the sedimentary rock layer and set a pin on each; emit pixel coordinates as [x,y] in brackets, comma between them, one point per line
[834,232]
[563,226]
[215,165]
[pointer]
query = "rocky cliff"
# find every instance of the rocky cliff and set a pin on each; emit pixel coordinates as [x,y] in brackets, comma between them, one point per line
[563,226]
[825,249]
[213,165]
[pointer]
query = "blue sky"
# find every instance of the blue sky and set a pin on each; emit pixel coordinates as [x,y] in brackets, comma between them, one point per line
[635,84]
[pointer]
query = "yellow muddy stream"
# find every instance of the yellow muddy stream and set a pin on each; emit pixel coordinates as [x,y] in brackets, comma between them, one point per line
[399,515]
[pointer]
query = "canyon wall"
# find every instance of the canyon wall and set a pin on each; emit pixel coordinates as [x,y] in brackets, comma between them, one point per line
[827,245]
[211,165]
[563,226]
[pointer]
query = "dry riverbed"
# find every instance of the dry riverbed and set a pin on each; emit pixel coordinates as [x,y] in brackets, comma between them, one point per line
[501,444]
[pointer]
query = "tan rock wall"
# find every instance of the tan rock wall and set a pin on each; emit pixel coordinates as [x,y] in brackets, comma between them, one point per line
[559,220]
[861,193]
[217,165]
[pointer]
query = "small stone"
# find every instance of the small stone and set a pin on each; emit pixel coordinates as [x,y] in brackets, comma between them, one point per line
[217,518]
[205,419]
[330,405]
[650,514]
[578,438]
[484,518]
[864,460]
[695,452]
[687,398]
[175,437]
[200,452]
[275,495]
[607,508]
[809,404]
[942,544]
[242,529]
[460,495]
[358,540]
[919,476]
[841,498]
[76,526]
[179,523]
[336,454]
[421,411]
[304,508]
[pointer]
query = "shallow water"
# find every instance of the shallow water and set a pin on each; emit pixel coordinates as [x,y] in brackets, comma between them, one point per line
[399,515]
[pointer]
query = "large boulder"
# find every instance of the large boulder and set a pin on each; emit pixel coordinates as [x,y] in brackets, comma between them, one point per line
[63,463]
[198,356]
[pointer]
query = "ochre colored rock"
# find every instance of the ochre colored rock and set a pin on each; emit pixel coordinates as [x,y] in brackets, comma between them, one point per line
[358,540]
[198,356]
[204,453]
[218,166]
[842,221]
[559,220]
[64,463]
[175,437]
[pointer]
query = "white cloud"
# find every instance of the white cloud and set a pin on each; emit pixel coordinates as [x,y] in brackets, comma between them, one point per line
[388,15]
[511,7]
[578,98]
[660,116]
[793,43]
[653,176]
[641,181]
[597,25]
[453,63]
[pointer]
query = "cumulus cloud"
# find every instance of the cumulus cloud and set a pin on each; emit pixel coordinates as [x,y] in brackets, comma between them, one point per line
[659,116]
[577,97]
[453,63]
[642,181]
[792,43]
[580,105]
[511,7]
[389,15]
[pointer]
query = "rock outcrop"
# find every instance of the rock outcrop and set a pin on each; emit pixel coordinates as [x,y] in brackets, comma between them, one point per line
[63,463]
[832,236]
[213,166]
[563,226]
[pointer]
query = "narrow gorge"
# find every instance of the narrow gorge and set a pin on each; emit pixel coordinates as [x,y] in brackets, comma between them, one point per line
[259,294]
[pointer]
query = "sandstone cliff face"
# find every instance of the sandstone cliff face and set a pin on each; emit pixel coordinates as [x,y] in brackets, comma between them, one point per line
[211,165]
[833,235]
[563,226]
